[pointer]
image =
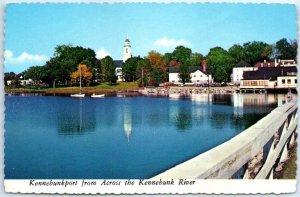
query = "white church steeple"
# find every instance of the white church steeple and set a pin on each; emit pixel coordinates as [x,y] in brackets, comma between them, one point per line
[127,50]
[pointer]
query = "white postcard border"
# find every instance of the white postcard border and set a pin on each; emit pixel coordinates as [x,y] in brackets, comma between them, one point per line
[200,186]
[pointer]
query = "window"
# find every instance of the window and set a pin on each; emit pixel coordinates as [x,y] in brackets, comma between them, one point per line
[194,75]
[295,81]
[283,81]
[289,81]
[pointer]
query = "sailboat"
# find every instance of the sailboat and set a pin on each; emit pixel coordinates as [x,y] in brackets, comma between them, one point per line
[79,95]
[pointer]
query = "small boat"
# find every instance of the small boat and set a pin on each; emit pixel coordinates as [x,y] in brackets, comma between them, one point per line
[97,95]
[78,95]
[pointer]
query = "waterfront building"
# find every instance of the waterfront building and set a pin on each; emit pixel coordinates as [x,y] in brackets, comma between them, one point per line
[119,63]
[279,77]
[198,76]
[237,73]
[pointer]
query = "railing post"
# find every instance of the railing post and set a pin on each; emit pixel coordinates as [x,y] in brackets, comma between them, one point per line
[285,154]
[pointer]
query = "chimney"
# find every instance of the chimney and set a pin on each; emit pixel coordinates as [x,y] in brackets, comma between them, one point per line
[265,61]
[204,66]
[275,62]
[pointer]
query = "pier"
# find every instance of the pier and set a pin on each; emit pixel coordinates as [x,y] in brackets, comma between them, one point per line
[186,90]
[256,153]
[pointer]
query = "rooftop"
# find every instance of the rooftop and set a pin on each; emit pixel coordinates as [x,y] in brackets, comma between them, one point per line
[270,73]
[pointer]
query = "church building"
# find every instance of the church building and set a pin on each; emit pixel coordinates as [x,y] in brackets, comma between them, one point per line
[119,63]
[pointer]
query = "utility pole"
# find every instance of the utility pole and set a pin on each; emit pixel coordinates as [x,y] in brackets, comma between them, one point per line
[143,76]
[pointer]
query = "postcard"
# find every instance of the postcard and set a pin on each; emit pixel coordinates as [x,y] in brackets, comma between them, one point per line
[150,98]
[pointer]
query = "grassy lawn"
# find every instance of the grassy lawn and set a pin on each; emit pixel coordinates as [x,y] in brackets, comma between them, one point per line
[103,86]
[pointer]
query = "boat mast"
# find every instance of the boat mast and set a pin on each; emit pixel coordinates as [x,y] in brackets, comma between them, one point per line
[80,77]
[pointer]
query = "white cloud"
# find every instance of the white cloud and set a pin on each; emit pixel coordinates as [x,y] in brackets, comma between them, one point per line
[170,42]
[24,58]
[101,53]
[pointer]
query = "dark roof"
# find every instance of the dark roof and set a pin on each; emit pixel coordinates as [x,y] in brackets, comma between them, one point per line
[191,69]
[270,73]
[127,40]
[264,64]
[118,63]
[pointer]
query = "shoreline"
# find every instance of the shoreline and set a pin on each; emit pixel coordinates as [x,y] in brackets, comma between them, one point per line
[146,91]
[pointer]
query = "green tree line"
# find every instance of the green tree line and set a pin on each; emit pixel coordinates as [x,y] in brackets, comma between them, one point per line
[152,69]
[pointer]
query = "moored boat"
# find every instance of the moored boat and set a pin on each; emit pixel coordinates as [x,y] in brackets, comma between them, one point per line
[78,95]
[97,95]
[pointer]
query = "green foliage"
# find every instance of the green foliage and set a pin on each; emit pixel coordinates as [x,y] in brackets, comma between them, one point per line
[182,54]
[196,59]
[156,76]
[35,73]
[65,61]
[286,50]
[256,52]
[184,73]
[220,64]
[108,70]
[142,71]
[129,69]
[237,53]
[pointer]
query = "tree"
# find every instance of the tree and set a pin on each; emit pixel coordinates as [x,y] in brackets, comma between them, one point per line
[220,64]
[142,72]
[84,71]
[75,55]
[156,60]
[129,69]
[237,53]
[174,63]
[11,76]
[35,73]
[182,54]
[255,52]
[196,59]
[108,70]
[157,76]
[285,49]
[184,73]
[167,58]
[65,61]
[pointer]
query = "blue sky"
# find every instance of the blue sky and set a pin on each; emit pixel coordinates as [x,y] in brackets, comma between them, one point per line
[33,30]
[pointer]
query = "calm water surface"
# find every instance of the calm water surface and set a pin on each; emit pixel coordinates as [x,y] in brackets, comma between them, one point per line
[49,137]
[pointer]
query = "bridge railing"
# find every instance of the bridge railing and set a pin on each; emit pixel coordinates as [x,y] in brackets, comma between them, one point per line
[253,154]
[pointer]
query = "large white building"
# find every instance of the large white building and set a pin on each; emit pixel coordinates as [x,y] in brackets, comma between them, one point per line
[237,73]
[197,75]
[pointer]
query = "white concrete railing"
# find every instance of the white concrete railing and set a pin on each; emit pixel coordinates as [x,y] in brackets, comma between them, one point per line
[253,154]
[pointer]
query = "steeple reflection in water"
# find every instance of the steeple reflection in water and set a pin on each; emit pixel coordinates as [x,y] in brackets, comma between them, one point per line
[127,122]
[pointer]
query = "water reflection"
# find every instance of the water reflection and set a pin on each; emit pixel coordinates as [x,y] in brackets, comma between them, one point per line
[77,120]
[183,120]
[127,122]
[98,130]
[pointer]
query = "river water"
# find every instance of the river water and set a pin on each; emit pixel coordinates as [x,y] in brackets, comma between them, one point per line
[56,137]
